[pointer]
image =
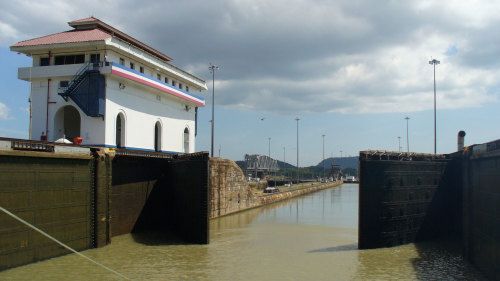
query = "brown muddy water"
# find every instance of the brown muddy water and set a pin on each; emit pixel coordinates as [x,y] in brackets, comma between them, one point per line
[312,237]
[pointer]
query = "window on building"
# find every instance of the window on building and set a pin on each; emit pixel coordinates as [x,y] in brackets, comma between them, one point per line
[141,69]
[166,80]
[59,60]
[157,136]
[180,86]
[63,84]
[44,61]
[173,83]
[69,59]
[186,140]
[158,76]
[79,59]
[120,130]
[122,61]
[187,88]
[95,58]
[132,65]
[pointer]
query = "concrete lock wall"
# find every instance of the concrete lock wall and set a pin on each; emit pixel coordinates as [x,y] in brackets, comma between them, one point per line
[230,192]
[420,197]
[481,212]
[55,195]
[133,180]
[402,201]
[150,194]
[84,196]
[229,189]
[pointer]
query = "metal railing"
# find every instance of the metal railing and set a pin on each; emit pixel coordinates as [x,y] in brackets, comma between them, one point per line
[65,92]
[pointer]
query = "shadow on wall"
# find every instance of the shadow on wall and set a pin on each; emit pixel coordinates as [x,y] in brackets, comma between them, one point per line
[156,224]
[168,196]
[443,219]
[176,209]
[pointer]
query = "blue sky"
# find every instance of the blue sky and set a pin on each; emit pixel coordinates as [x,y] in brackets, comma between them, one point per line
[350,70]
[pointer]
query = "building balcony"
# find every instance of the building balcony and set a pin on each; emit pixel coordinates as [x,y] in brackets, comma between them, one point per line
[52,71]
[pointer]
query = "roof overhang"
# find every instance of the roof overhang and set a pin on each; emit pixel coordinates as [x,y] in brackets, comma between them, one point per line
[28,50]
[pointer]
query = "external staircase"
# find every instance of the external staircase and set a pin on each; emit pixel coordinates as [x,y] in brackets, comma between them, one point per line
[87,90]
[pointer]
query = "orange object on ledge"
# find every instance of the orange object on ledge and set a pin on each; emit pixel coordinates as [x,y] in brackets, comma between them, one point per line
[77,140]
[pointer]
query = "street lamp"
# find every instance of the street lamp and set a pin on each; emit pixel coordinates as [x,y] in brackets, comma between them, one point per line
[269,138]
[434,62]
[323,155]
[399,144]
[298,174]
[407,142]
[284,155]
[212,69]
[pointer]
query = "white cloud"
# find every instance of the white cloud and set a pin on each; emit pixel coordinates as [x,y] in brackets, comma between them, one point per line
[300,56]
[25,110]
[9,34]
[4,112]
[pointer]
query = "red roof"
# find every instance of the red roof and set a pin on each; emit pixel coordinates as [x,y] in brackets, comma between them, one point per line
[72,36]
[90,29]
[90,19]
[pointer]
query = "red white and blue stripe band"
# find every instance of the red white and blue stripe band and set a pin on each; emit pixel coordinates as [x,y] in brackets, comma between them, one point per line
[122,71]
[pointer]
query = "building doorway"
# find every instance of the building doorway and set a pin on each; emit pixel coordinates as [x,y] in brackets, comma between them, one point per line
[67,123]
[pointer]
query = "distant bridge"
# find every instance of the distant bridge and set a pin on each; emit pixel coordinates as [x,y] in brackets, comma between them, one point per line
[260,165]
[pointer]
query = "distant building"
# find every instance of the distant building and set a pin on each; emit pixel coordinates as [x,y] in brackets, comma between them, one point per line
[100,84]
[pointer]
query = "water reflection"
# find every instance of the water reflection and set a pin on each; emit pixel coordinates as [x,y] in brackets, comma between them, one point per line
[349,247]
[312,237]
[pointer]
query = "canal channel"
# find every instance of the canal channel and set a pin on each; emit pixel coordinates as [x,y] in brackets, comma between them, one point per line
[312,237]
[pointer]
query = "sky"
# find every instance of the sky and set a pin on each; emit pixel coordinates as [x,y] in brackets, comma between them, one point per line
[350,70]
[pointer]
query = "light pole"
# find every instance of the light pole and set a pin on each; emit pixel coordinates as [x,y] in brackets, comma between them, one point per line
[399,144]
[434,62]
[323,155]
[269,138]
[298,174]
[284,155]
[407,141]
[341,154]
[212,69]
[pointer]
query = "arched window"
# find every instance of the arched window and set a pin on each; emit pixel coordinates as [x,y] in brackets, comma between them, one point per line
[120,130]
[186,140]
[67,123]
[158,136]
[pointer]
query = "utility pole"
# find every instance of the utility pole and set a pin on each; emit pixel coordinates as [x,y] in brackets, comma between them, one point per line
[434,62]
[283,154]
[269,138]
[399,144]
[298,173]
[407,141]
[212,69]
[323,155]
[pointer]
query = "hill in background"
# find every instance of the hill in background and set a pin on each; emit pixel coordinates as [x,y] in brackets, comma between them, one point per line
[281,165]
[349,165]
[344,162]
